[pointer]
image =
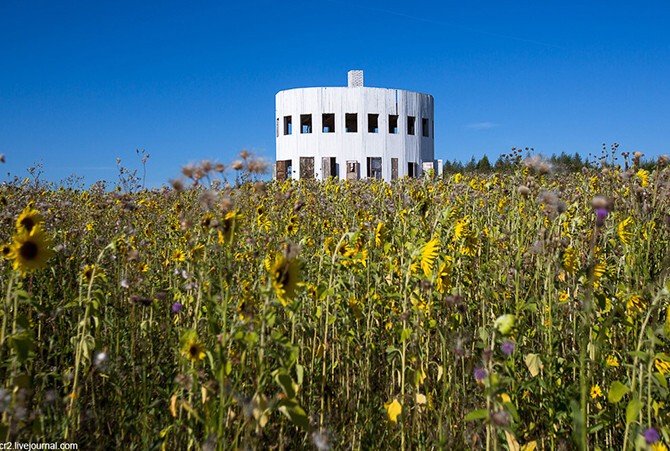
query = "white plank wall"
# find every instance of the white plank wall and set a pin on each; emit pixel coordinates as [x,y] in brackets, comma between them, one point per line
[355,146]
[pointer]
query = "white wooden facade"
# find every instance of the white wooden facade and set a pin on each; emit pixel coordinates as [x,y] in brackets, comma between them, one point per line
[353,132]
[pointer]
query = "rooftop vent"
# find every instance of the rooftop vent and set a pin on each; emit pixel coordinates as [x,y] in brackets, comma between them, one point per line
[355,78]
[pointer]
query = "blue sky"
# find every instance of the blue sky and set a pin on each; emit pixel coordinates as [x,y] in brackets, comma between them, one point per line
[83,83]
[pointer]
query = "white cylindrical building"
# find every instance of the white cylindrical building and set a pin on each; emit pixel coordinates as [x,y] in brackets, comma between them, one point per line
[353,132]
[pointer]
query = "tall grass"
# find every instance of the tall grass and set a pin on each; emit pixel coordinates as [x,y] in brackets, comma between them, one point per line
[481,311]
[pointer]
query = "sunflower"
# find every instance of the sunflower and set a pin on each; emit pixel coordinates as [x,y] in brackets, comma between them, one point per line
[444,280]
[663,366]
[88,272]
[30,250]
[285,277]
[178,256]
[192,348]
[228,226]
[380,234]
[635,304]
[5,250]
[623,230]
[570,260]
[29,219]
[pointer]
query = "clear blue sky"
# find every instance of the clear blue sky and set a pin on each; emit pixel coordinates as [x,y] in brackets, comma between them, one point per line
[85,82]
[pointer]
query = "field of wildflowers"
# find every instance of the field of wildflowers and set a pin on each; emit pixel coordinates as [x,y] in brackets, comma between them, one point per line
[521,311]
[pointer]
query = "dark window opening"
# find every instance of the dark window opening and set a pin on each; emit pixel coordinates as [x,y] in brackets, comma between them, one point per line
[393,123]
[305,123]
[328,167]
[351,122]
[424,127]
[375,167]
[411,169]
[306,167]
[410,124]
[373,123]
[288,127]
[328,123]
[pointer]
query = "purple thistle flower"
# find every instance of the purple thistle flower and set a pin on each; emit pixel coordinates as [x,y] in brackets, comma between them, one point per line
[480,374]
[651,436]
[508,348]
[176,307]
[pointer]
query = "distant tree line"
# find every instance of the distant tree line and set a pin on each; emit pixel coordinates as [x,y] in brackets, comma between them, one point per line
[507,162]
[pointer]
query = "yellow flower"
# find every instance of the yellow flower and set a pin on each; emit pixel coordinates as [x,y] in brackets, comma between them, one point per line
[596,392]
[658,446]
[643,176]
[284,275]
[191,347]
[393,409]
[444,275]
[29,219]
[635,304]
[5,250]
[30,250]
[178,255]
[228,226]
[662,366]
[380,234]
[89,271]
[612,360]
[623,230]
[428,255]
[570,260]
[461,228]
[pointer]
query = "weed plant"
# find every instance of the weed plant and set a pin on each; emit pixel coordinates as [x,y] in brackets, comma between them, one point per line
[519,311]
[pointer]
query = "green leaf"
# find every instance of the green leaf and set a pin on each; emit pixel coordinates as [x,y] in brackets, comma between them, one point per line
[632,410]
[505,324]
[286,383]
[661,380]
[300,372]
[534,364]
[295,413]
[22,344]
[477,415]
[616,392]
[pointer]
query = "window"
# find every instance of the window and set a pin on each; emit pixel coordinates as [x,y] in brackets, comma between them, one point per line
[424,127]
[283,169]
[288,127]
[394,169]
[411,169]
[305,123]
[352,170]
[306,167]
[410,124]
[328,167]
[373,123]
[351,122]
[393,123]
[328,123]
[374,167]
[277,128]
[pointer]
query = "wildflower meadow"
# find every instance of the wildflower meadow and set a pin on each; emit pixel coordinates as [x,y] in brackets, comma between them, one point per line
[525,309]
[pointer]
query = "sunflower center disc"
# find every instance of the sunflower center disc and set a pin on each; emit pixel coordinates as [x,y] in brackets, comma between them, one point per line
[28,250]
